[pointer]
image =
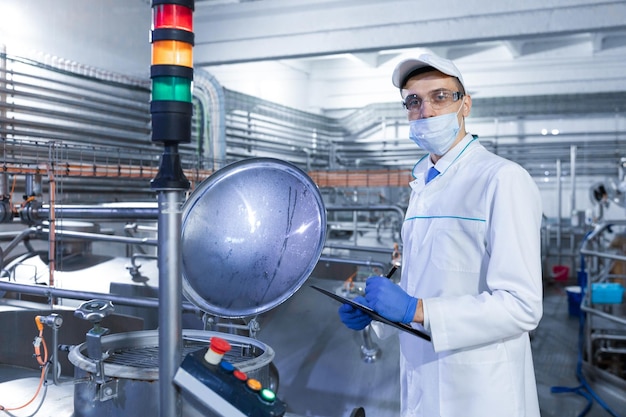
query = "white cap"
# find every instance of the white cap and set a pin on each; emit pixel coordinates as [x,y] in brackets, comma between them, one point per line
[406,67]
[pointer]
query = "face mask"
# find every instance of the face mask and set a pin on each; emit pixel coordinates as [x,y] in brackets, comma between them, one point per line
[435,134]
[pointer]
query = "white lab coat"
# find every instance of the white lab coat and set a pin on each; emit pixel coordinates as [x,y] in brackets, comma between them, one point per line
[471,251]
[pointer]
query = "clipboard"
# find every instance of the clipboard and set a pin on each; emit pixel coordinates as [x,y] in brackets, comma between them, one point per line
[374,315]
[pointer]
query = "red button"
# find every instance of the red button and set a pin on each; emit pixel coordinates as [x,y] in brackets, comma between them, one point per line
[219,346]
[240,375]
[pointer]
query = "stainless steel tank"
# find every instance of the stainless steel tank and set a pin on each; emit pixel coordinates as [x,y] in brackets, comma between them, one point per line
[132,371]
[252,234]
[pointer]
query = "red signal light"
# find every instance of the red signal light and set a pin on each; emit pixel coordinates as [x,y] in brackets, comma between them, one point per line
[172,16]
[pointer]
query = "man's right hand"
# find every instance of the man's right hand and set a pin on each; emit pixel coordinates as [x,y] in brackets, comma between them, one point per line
[354,318]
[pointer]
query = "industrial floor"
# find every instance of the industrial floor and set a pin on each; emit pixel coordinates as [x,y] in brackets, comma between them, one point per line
[322,373]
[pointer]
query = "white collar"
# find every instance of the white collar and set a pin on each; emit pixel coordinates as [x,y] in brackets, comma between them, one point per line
[446,160]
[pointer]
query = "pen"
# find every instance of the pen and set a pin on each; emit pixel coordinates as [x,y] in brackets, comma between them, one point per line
[391,271]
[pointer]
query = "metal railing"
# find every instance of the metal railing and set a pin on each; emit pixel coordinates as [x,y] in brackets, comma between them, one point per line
[605,323]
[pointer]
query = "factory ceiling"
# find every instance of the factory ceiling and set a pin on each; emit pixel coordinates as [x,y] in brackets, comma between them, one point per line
[336,56]
[332,59]
[262,30]
[504,48]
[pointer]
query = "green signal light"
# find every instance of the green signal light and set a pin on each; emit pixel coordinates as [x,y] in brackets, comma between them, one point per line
[268,395]
[171,88]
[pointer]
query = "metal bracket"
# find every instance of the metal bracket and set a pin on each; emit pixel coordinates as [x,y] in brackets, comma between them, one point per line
[108,390]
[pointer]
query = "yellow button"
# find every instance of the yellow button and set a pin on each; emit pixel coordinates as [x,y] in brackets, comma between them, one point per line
[254,384]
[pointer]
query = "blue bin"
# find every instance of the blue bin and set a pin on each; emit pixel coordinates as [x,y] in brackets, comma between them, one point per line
[606,293]
[574,297]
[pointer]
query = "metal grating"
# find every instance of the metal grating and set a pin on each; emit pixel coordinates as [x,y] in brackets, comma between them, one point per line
[147,357]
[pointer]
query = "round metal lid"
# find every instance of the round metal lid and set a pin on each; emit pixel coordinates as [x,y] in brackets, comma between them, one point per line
[251,235]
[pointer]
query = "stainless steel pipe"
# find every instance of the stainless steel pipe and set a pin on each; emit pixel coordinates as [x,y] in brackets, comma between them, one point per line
[88,295]
[170,295]
[128,211]
[361,262]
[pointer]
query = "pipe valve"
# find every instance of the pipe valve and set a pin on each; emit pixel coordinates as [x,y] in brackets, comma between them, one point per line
[94,311]
[53,320]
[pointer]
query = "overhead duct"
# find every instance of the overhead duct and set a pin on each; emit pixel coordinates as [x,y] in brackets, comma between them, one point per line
[211,120]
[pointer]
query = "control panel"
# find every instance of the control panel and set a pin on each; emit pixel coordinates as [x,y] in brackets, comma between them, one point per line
[210,381]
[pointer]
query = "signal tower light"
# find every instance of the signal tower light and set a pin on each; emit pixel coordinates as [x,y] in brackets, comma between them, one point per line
[171,72]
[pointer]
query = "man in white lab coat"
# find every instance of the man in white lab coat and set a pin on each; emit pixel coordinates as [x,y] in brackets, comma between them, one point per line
[471,272]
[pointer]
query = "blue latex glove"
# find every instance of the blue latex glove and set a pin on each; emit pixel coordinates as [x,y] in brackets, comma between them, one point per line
[389,300]
[354,318]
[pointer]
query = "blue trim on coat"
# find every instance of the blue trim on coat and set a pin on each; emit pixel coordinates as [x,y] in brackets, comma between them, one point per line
[446,217]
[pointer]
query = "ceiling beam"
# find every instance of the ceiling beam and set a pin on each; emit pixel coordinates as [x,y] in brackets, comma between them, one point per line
[284,29]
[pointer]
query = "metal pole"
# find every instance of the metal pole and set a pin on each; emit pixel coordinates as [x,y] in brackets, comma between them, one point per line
[559,211]
[170,294]
[369,350]
[572,165]
[575,218]
[170,184]
[3,85]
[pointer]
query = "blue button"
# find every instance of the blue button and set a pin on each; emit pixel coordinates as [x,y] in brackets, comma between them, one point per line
[227,366]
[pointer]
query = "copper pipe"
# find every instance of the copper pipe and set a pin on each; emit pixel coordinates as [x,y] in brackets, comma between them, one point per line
[52,235]
[360,178]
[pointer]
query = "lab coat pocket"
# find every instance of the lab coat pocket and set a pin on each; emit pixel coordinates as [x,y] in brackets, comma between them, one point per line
[476,380]
[459,246]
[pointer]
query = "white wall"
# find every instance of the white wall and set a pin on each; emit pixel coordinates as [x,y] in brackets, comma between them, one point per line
[550,198]
[272,80]
[106,34]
